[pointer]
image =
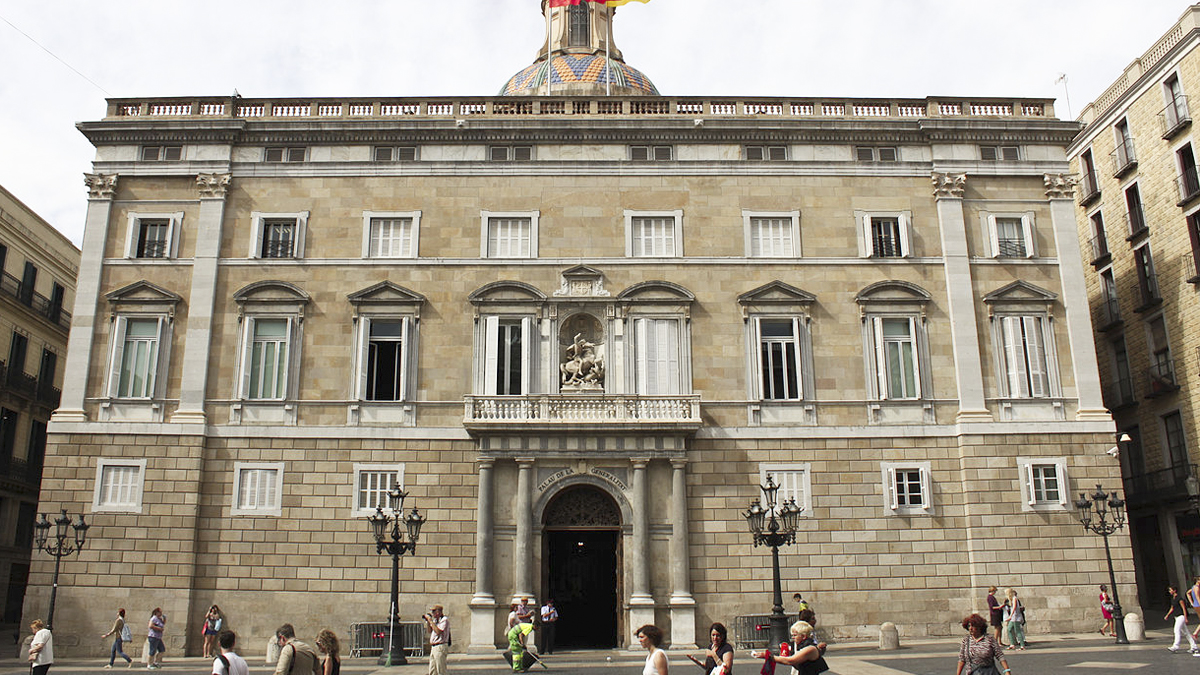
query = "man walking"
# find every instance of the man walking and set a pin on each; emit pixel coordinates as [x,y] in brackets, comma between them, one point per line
[295,657]
[228,663]
[549,624]
[439,639]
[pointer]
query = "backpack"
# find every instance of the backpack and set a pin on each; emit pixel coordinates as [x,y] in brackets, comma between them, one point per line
[126,634]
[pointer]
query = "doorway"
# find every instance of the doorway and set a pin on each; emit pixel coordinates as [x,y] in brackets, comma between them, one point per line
[582,553]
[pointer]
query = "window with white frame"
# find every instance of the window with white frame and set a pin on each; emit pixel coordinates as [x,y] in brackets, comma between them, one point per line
[510,153]
[1010,235]
[1043,483]
[391,235]
[1023,347]
[372,483]
[654,234]
[875,154]
[508,355]
[884,235]
[907,488]
[766,153]
[650,153]
[266,358]
[656,356]
[896,357]
[383,369]
[162,153]
[509,235]
[794,481]
[119,484]
[278,235]
[280,154]
[135,364]
[394,154]
[779,358]
[152,235]
[772,235]
[997,153]
[257,489]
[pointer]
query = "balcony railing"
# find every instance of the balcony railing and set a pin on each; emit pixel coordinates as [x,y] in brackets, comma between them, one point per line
[1162,486]
[1161,376]
[1120,393]
[15,288]
[1089,188]
[1099,248]
[27,386]
[1148,285]
[1109,313]
[20,471]
[1189,185]
[1135,222]
[1124,158]
[681,412]
[1175,116]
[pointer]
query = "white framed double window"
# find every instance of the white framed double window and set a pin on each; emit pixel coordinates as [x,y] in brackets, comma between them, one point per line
[135,361]
[794,481]
[508,351]
[267,357]
[884,234]
[392,234]
[153,235]
[1009,235]
[1044,483]
[654,234]
[384,359]
[372,483]
[257,489]
[657,349]
[896,359]
[509,234]
[119,485]
[772,235]
[907,488]
[1023,341]
[779,358]
[278,235]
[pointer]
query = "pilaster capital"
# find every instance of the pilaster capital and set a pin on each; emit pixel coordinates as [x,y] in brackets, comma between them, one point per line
[525,463]
[1060,185]
[949,185]
[100,185]
[213,185]
[679,463]
[485,463]
[639,463]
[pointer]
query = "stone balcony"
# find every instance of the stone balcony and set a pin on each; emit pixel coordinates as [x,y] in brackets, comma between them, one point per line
[597,413]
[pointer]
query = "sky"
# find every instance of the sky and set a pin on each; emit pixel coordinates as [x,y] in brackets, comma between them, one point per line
[61,58]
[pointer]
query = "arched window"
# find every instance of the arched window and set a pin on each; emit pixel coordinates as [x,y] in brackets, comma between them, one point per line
[578,28]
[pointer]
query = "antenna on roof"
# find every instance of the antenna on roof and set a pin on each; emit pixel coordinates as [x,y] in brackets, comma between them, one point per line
[1062,79]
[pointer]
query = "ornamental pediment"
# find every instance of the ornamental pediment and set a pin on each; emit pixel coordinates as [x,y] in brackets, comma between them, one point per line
[1020,291]
[893,292]
[777,292]
[142,292]
[271,291]
[656,291]
[506,292]
[582,281]
[385,292]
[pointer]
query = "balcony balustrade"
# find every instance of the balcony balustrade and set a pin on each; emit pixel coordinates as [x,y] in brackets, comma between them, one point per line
[1163,486]
[29,387]
[1089,188]
[16,289]
[1108,313]
[1161,377]
[592,412]
[1188,184]
[1099,248]
[1135,222]
[1124,159]
[1175,116]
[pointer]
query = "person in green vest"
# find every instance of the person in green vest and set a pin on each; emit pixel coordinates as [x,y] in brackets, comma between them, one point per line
[521,659]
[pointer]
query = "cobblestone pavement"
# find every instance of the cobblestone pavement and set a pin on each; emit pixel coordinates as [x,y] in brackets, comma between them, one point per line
[1057,655]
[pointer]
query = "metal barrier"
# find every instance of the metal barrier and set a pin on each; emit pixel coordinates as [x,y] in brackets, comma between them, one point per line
[370,638]
[751,631]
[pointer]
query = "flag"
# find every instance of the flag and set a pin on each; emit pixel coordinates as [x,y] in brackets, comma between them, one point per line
[618,3]
[564,3]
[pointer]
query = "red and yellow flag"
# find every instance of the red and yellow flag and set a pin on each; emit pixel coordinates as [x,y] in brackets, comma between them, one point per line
[564,3]
[618,3]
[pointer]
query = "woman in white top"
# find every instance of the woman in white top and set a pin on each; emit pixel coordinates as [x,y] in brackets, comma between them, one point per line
[650,637]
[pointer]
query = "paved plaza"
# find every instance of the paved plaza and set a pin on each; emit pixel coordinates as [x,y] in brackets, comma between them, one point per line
[1063,654]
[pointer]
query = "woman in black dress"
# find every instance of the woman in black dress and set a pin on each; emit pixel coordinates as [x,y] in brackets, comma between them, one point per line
[327,642]
[719,653]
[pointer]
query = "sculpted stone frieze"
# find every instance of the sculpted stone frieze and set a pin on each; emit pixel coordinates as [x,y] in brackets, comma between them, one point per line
[949,185]
[213,185]
[100,185]
[1060,185]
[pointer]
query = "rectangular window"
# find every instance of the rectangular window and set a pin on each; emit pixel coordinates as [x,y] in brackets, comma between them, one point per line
[1189,179]
[779,351]
[17,348]
[896,357]
[268,363]
[1133,209]
[510,153]
[766,153]
[1147,278]
[162,153]
[390,154]
[1043,483]
[385,354]
[136,357]
[907,488]
[119,485]
[997,153]
[887,238]
[578,26]
[278,236]
[372,483]
[1089,187]
[1121,373]
[256,489]
[507,365]
[772,236]
[153,235]
[392,238]
[285,154]
[1162,366]
[1123,156]
[872,154]
[1099,237]
[28,283]
[509,238]
[1024,354]
[650,153]
[794,481]
[1193,227]
[1110,308]
[1177,453]
[1012,236]
[8,433]
[657,356]
[654,237]
[1176,113]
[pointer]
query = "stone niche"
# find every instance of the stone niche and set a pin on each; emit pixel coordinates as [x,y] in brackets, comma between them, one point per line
[582,353]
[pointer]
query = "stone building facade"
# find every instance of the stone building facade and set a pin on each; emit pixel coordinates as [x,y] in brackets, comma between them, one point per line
[580,325]
[1139,219]
[37,284]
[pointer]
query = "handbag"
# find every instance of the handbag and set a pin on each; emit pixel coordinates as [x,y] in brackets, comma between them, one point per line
[126,634]
[989,669]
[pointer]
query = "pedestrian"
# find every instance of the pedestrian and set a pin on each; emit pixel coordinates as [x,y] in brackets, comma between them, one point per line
[154,638]
[327,644]
[719,654]
[549,630]
[1106,611]
[995,614]
[806,657]
[211,629]
[300,659]
[522,660]
[41,650]
[439,639]
[1016,620]
[227,662]
[979,650]
[1194,600]
[650,638]
[514,617]
[1179,605]
[525,611]
[121,635]
[801,605]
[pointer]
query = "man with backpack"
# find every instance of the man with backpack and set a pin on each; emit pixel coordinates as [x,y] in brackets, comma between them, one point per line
[295,657]
[228,663]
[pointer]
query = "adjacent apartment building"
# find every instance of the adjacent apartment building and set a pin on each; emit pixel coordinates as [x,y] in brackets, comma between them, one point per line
[1138,205]
[579,322]
[37,282]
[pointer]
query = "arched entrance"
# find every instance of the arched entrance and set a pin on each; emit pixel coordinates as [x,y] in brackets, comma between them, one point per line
[581,547]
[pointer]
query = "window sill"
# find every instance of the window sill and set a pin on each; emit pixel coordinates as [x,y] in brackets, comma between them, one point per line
[1111,325]
[1125,169]
[1138,234]
[1123,405]
[1102,259]
[1194,279]
[1179,126]
[1087,199]
[1147,306]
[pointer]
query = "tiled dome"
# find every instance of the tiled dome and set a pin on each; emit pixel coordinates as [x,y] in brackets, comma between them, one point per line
[580,69]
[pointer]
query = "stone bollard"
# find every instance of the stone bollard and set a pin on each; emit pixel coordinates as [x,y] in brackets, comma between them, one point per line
[889,637]
[1135,628]
[272,651]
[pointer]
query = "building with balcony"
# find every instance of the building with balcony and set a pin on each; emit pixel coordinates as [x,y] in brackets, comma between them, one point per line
[37,280]
[580,323]
[1140,212]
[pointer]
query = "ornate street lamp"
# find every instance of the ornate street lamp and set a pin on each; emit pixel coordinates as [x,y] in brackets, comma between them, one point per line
[59,547]
[395,545]
[774,526]
[1104,514]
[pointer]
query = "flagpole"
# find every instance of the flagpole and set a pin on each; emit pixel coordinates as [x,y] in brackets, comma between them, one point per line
[607,61]
[549,40]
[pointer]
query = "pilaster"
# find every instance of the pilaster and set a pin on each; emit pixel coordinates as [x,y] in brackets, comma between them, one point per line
[641,602]
[683,605]
[483,603]
[523,547]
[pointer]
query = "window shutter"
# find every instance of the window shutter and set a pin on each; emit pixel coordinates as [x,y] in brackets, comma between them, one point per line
[523,153]
[987,153]
[1009,153]
[893,498]
[1029,486]
[491,333]
[642,348]
[364,358]
[639,153]
[662,153]
[406,359]
[797,364]
[1014,361]
[994,236]
[777,153]
[300,228]
[887,154]
[926,488]
[132,234]
[905,240]
[158,363]
[1027,232]
[406,154]
[118,354]
[756,340]
[754,153]
[865,154]
[880,358]
[498,153]
[916,357]
[247,350]
[1038,376]
[528,353]
[1060,472]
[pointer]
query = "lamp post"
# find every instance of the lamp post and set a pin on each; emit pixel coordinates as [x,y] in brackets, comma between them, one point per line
[59,548]
[774,526]
[394,544]
[1095,511]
